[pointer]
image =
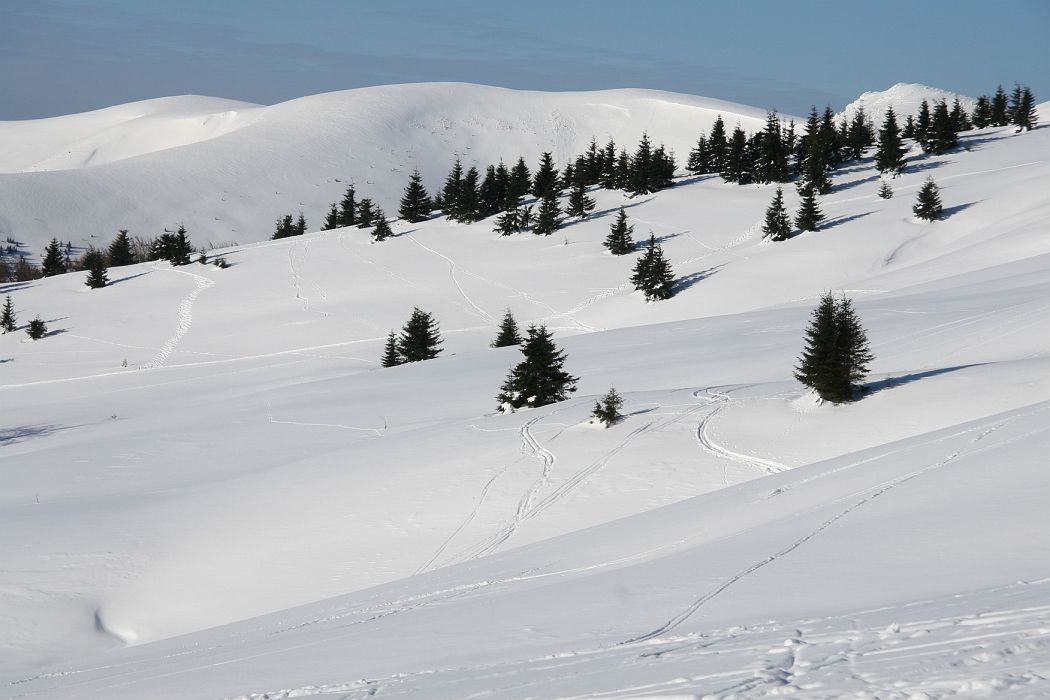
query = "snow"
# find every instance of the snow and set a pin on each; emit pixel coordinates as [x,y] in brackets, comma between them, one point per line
[252,508]
[905,98]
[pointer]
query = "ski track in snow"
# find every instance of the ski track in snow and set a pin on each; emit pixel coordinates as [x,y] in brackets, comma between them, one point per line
[452,267]
[697,604]
[185,320]
[703,437]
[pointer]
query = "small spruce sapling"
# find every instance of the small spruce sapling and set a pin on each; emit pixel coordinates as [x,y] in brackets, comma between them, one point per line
[8,319]
[928,202]
[620,241]
[777,226]
[390,358]
[607,410]
[382,231]
[885,191]
[36,329]
[508,332]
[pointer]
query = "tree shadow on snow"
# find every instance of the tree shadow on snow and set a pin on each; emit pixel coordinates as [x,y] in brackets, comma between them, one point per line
[616,209]
[129,277]
[839,220]
[24,432]
[922,165]
[951,211]
[687,281]
[901,380]
[853,183]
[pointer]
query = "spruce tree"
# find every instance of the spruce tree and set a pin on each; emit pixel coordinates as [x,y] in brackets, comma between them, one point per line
[928,203]
[95,262]
[54,262]
[419,338]
[1025,117]
[699,161]
[609,175]
[382,231]
[36,329]
[580,205]
[490,194]
[620,240]
[520,179]
[1014,104]
[547,221]
[908,132]
[300,225]
[120,252]
[512,220]
[348,209]
[716,144]
[607,409]
[852,352]
[777,226]
[508,332]
[817,366]
[331,219]
[545,182]
[652,273]
[809,216]
[941,136]
[284,228]
[733,168]
[468,206]
[8,319]
[999,108]
[771,163]
[982,113]
[365,213]
[858,136]
[450,192]
[922,124]
[642,177]
[540,378]
[390,356]
[813,170]
[623,171]
[885,191]
[960,119]
[415,203]
[889,158]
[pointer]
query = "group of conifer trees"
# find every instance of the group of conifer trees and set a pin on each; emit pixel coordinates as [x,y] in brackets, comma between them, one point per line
[362,214]
[1018,109]
[35,329]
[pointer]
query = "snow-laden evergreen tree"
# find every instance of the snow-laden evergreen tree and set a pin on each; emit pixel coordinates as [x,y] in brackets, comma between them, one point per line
[348,208]
[120,252]
[540,378]
[365,213]
[547,221]
[620,240]
[54,262]
[889,158]
[36,329]
[1024,116]
[390,357]
[716,144]
[652,273]
[809,216]
[415,203]
[545,182]
[331,219]
[923,122]
[1000,108]
[928,202]
[419,338]
[95,263]
[8,318]
[450,192]
[508,332]
[607,409]
[982,113]
[885,191]
[777,226]
[382,231]
[579,205]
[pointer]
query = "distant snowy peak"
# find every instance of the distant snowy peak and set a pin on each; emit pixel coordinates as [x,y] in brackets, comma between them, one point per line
[905,99]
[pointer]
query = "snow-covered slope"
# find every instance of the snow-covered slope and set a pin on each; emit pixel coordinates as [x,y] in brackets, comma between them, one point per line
[228,170]
[396,536]
[905,98]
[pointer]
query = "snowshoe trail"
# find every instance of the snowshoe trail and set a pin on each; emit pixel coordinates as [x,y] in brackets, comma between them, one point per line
[185,316]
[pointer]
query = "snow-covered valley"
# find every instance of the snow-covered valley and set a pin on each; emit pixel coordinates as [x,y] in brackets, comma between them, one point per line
[211,489]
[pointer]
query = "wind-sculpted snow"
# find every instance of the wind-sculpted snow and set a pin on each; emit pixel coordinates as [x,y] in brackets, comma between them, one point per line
[212,490]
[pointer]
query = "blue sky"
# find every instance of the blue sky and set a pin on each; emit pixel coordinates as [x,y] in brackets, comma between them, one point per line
[61,56]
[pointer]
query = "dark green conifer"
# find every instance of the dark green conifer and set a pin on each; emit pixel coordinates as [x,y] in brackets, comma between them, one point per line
[545,182]
[642,169]
[982,113]
[607,409]
[960,119]
[451,190]
[419,338]
[547,221]
[1025,117]
[415,203]
[620,240]
[580,205]
[540,378]
[777,226]
[8,319]
[490,193]
[733,160]
[54,262]
[331,220]
[771,163]
[120,252]
[908,132]
[889,158]
[300,225]
[852,351]
[941,136]
[365,213]
[390,357]
[923,122]
[468,206]
[928,203]
[699,161]
[817,366]
[1000,108]
[885,191]
[181,248]
[382,231]
[95,263]
[348,208]
[520,180]
[717,143]
[508,332]
[652,273]
[609,176]
[809,216]
[36,329]
[284,228]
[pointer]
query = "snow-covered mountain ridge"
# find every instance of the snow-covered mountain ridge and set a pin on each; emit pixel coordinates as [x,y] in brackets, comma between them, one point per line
[251,507]
[905,98]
